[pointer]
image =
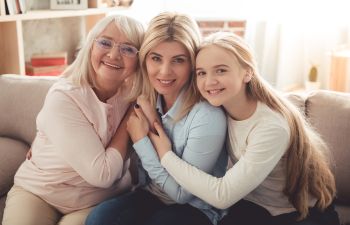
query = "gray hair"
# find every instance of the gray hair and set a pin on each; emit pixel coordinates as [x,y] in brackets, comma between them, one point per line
[81,71]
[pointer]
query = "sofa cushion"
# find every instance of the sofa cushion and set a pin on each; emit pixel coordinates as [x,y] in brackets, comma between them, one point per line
[329,113]
[12,153]
[20,110]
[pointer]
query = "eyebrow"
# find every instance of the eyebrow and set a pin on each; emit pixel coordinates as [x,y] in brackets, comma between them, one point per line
[110,38]
[216,66]
[175,56]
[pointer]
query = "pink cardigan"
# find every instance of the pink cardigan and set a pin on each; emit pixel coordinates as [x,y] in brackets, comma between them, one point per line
[71,167]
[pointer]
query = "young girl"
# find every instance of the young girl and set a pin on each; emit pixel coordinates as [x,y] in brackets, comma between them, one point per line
[280,173]
[78,160]
[196,129]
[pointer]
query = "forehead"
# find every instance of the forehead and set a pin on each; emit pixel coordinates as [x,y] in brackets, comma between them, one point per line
[170,48]
[113,31]
[212,55]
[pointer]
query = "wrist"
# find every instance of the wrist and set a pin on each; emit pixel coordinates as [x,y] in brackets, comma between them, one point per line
[162,153]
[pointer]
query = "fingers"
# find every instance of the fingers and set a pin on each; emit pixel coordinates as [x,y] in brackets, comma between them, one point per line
[139,111]
[159,129]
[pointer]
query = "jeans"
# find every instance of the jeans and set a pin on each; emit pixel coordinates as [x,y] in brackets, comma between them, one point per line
[143,208]
[248,213]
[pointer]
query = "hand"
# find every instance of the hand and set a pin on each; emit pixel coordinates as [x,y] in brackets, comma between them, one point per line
[160,141]
[149,111]
[137,125]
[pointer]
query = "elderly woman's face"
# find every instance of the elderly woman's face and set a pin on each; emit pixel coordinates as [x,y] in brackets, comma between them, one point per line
[113,57]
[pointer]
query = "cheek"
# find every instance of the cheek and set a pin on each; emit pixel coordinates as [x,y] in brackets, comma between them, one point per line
[95,58]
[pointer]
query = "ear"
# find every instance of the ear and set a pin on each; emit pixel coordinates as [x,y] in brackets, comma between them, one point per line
[248,76]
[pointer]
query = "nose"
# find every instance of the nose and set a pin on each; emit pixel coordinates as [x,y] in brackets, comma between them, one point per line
[165,68]
[114,53]
[210,80]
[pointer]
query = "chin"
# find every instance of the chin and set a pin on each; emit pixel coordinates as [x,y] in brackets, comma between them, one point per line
[214,102]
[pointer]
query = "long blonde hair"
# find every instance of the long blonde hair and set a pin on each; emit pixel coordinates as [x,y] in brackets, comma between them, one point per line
[81,71]
[308,171]
[169,26]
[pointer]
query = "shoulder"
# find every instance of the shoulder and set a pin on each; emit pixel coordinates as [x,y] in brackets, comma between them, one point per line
[203,113]
[203,108]
[271,125]
[65,89]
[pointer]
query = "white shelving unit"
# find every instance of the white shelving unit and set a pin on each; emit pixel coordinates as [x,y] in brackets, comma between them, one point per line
[11,32]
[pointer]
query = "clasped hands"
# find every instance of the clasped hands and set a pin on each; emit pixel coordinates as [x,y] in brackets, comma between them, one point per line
[143,121]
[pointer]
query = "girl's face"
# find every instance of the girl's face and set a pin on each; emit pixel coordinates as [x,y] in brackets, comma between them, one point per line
[169,68]
[113,57]
[220,78]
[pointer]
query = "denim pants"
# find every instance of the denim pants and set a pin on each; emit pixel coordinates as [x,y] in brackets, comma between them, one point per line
[248,213]
[143,208]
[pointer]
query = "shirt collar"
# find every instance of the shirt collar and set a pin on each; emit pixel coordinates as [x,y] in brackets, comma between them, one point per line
[174,109]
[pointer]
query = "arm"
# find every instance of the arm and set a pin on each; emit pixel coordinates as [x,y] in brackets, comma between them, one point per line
[203,147]
[262,155]
[121,141]
[77,142]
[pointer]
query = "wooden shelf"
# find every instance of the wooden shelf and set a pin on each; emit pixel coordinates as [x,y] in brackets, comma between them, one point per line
[47,14]
[11,29]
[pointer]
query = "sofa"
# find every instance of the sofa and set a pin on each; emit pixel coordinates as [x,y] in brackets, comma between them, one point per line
[21,98]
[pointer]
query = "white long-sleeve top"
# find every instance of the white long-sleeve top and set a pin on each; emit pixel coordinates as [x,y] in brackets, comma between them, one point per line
[71,166]
[256,147]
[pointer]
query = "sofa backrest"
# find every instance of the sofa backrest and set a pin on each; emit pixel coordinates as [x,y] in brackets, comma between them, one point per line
[21,98]
[329,113]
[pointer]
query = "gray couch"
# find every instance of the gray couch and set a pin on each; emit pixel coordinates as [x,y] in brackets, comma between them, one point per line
[21,98]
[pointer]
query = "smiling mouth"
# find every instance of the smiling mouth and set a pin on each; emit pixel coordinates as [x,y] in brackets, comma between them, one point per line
[166,82]
[111,65]
[215,91]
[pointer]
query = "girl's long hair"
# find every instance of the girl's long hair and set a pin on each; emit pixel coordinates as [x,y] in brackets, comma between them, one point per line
[308,172]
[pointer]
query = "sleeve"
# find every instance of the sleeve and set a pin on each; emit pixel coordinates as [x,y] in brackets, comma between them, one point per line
[204,145]
[266,146]
[77,142]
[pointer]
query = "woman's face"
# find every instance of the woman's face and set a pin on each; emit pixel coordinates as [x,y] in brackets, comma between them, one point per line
[220,77]
[169,68]
[113,57]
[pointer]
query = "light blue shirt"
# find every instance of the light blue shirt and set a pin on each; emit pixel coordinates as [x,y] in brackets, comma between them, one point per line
[198,138]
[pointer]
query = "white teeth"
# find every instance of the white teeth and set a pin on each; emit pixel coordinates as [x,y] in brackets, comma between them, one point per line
[214,91]
[111,65]
[166,81]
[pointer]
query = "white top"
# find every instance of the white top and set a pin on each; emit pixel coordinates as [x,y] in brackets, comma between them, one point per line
[256,147]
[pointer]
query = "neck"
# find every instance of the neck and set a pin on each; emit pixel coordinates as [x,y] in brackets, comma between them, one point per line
[241,109]
[106,90]
[167,103]
[103,95]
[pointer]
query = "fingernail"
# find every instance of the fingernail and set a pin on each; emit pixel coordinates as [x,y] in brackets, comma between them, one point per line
[136,106]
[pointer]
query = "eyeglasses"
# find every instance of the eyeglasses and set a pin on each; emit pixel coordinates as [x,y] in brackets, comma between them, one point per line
[124,49]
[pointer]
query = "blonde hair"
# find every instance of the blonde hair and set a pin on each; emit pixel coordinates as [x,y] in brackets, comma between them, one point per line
[308,171]
[81,71]
[169,26]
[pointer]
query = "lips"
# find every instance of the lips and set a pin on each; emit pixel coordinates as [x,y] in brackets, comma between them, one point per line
[111,65]
[166,82]
[215,91]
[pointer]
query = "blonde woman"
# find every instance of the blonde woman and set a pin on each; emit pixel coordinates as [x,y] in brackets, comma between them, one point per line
[78,160]
[280,174]
[196,128]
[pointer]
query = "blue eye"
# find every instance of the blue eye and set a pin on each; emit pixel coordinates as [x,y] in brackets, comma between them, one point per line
[179,60]
[104,43]
[128,49]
